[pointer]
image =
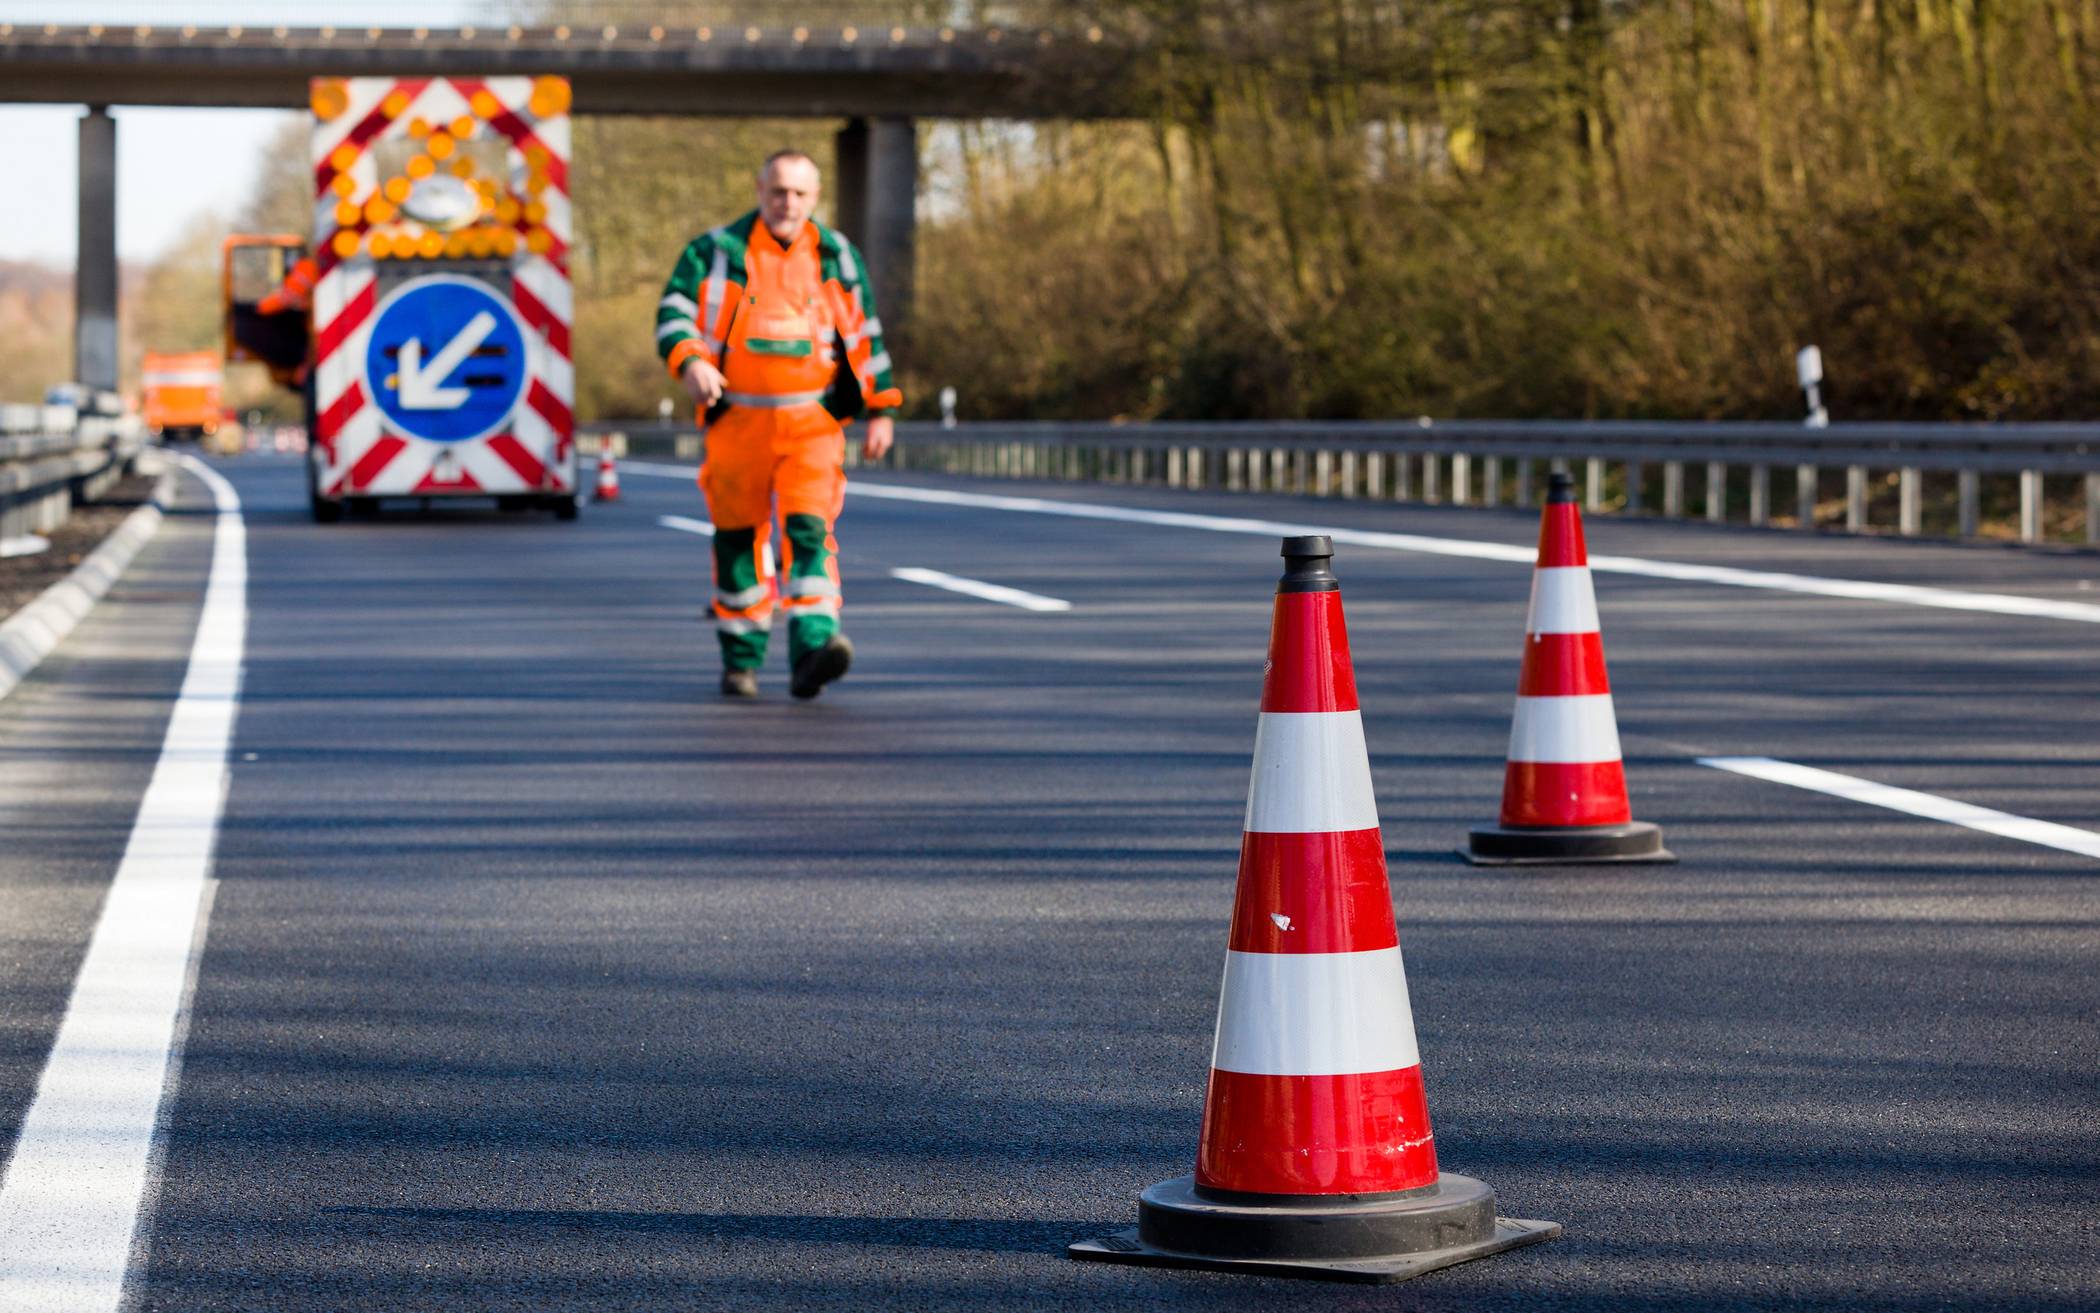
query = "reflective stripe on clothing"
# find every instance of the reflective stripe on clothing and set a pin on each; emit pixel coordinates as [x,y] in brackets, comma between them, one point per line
[807,606]
[717,285]
[676,301]
[670,326]
[741,600]
[760,401]
[813,585]
[744,624]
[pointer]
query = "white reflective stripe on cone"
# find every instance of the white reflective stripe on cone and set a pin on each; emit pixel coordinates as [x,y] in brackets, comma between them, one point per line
[1564,729]
[1314,1014]
[1312,774]
[1563,601]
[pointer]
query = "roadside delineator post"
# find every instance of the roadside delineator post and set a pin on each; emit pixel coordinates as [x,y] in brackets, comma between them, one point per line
[1316,1157]
[608,488]
[1564,787]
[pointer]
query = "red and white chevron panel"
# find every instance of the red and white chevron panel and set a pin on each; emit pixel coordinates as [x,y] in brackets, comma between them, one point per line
[1564,762]
[1315,1083]
[357,452]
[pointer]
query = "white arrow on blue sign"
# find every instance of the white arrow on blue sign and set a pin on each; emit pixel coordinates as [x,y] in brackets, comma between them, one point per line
[447,359]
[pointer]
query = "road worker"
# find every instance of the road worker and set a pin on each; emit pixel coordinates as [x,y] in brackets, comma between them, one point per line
[295,295]
[769,323]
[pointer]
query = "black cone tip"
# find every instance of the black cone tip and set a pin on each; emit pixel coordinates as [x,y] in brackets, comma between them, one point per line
[1305,565]
[1560,488]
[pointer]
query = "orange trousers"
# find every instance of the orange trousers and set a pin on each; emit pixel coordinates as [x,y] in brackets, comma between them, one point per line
[760,459]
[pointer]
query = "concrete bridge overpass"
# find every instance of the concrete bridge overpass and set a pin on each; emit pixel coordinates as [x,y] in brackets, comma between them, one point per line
[881,79]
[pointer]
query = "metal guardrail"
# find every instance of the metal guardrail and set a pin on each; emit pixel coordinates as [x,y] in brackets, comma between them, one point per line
[1949,479]
[51,459]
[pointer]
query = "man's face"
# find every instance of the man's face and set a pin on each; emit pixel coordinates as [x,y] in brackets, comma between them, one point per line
[787,195]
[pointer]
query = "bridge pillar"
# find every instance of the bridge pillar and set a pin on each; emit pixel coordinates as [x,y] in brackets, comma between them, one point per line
[95,276]
[875,200]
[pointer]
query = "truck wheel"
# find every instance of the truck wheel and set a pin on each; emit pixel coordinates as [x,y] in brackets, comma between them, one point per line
[564,507]
[325,510]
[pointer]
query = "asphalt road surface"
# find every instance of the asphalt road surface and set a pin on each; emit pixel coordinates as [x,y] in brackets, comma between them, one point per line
[536,976]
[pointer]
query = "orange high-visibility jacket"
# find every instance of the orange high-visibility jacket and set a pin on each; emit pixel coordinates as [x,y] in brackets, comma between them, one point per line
[799,322]
[296,292]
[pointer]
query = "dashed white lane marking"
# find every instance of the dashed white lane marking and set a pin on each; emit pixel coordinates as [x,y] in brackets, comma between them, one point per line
[978,588]
[1931,806]
[684,525]
[1949,599]
[76,1185]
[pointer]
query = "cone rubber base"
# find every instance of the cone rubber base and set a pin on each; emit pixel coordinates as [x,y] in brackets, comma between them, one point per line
[1576,845]
[1366,1238]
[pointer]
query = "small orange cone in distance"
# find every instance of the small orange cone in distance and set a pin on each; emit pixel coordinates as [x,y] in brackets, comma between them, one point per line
[608,488]
[1316,1157]
[1564,788]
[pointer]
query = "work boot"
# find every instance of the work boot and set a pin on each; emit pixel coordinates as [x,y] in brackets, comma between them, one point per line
[820,666]
[739,683]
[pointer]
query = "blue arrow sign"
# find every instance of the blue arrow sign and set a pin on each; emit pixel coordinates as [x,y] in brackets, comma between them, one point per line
[447,359]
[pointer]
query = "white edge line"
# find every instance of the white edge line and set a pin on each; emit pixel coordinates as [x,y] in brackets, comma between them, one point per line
[36,629]
[83,1165]
[1929,805]
[1948,599]
[1027,601]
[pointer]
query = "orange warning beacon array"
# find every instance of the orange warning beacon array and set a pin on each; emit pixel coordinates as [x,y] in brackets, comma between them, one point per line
[1316,1157]
[1564,789]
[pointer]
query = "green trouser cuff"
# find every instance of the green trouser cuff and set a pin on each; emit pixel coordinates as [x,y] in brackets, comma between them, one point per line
[809,537]
[736,570]
[807,633]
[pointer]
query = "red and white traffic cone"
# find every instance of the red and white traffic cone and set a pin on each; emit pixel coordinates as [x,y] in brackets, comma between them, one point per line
[608,488]
[1564,789]
[1316,1157]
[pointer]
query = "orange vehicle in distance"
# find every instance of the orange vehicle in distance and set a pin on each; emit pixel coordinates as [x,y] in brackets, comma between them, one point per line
[181,394]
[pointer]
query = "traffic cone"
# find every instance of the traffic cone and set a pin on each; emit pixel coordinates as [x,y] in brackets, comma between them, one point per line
[1564,789]
[1316,1157]
[608,488]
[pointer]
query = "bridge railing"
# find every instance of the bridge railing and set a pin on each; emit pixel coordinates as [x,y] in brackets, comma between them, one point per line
[52,458]
[2032,482]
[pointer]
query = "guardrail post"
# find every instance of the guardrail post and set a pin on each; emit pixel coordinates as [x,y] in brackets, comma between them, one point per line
[1491,481]
[2030,506]
[1431,478]
[1461,477]
[1235,470]
[1593,486]
[1636,487]
[1199,467]
[1374,474]
[1760,495]
[1348,474]
[1716,492]
[1323,472]
[1522,495]
[1855,498]
[1673,488]
[2092,510]
[1805,496]
[1909,501]
[1301,464]
[1403,476]
[1967,494]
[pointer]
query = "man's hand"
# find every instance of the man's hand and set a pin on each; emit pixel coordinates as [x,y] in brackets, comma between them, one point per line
[703,383]
[881,434]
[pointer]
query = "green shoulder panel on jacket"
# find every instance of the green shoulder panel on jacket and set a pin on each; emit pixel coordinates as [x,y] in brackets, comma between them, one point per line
[679,312]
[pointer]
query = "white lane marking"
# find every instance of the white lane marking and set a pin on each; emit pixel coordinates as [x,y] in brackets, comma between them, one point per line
[1931,806]
[76,1184]
[684,525]
[1314,1014]
[913,574]
[1312,774]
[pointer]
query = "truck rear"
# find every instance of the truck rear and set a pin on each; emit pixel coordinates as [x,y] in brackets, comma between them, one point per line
[180,394]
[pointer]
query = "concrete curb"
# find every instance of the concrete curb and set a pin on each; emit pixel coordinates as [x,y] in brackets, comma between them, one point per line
[30,634]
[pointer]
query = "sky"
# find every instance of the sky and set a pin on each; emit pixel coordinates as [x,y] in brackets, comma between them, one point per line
[172,164]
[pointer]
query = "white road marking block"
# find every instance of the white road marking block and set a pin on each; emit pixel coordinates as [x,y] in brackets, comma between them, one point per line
[685,525]
[1027,601]
[1948,599]
[76,1184]
[1931,806]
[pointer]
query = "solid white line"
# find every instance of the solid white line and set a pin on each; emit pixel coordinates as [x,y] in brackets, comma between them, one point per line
[1931,806]
[684,525]
[1314,1014]
[913,574]
[1312,774]
[75,1187]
